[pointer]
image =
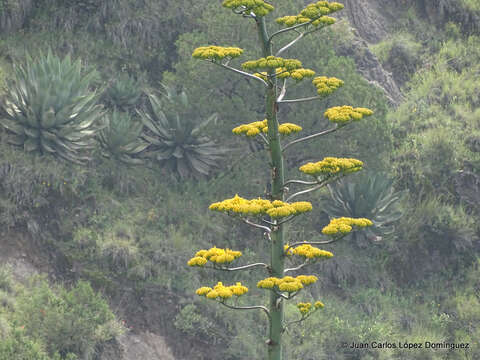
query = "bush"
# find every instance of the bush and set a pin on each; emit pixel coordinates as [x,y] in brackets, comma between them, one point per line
[68,321]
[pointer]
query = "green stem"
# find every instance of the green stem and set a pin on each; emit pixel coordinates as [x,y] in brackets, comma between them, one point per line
[277,179]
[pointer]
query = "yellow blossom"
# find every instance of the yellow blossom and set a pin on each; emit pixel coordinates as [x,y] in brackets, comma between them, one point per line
[318,305]
[332,166]
[288,128]
[204,290]
[344,225]
[259,7]
[304,308]
[254,128]
[272,62]
[306,279]
[345,114]
[266,284]
[314,14]
[310,252]
[222,291]
[215,255]
[326,85]
[290,286]
[255,207]
[238,289]
[212,294]
[302,206]
[213,52]
[197,261]
[287,283]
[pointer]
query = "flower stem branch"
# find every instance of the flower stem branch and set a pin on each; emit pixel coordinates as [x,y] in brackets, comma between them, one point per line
[310,137]
[266,228]
[305,263]
[264,139]
[301,182]
[260,307]
[245,267]
[311,98]
[319,186]
[294,245]
[291,43]
[226,66]
[294,27]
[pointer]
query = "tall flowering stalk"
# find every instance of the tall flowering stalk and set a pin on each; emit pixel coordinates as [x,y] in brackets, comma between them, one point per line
[275,74]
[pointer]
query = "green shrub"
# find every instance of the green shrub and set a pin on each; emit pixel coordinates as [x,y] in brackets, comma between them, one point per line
[67,321]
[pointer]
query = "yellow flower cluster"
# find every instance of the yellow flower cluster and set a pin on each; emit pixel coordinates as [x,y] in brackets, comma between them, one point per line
[297,74]
[288,128]
[287,283]
[282,73]
[314,13]
[304,307]
[215,255]
[332,166]
[325,85]
[344,225]
[259,7]
[197,261]
[344,114]
[251,129]
[282,209]
[272,62]
[221,291]
[308,251]
[256,127]
[216,52]
[274,209]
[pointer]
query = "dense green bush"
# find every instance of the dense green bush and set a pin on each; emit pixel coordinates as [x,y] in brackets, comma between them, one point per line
[51,322]
[67,321]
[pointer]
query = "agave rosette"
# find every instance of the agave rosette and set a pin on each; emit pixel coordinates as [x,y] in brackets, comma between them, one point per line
[50,109]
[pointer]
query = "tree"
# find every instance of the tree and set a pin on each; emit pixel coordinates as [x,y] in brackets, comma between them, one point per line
[276,74]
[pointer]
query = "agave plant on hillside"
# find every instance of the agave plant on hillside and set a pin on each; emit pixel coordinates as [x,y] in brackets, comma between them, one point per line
[123,93]
[121,138]
[371,196]
[175,139]
[50,109]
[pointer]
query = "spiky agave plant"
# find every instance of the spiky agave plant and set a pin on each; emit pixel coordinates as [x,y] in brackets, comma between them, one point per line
[175,139]
[123,93]
[371,196]
[49,108]
[121,138]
